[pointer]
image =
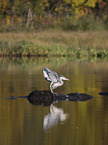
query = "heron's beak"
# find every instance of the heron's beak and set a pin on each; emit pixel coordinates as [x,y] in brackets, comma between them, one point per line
[66,79]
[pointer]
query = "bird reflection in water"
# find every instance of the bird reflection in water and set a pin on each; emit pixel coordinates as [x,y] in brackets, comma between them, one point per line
[55,115]
[46,98]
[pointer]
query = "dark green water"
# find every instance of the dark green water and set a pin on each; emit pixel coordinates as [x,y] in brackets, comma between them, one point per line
[71,123]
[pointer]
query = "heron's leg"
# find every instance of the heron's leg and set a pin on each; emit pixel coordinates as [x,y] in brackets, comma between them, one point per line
[52,91]
[51,88]
[55,93]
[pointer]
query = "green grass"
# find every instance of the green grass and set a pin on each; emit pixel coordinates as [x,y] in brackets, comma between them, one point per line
[55,43]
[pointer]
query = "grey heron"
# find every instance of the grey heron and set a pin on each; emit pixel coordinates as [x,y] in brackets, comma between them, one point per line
[52,77]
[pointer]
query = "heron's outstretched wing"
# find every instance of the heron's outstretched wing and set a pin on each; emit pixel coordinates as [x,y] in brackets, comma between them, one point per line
[50,75]
[52,72]
[46,76]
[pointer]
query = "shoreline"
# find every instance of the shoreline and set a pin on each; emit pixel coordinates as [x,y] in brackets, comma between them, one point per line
[54,44]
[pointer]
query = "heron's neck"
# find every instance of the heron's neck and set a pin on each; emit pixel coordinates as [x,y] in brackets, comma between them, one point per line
[61,80]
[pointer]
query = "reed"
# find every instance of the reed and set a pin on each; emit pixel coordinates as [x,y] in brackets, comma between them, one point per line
[55,43]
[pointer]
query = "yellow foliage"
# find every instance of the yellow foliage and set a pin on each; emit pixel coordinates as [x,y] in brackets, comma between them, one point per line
[41,4]
[82,12]
[16,3]
[19,20]
[78,2]
[46,3]
[8,20]
[56,9]
[68,1]
[86,10]
[4,3]
[91,3]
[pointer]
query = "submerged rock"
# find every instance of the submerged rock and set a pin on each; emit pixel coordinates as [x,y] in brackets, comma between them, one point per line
[103,93]
[79,97]
[46,98]
[40,97]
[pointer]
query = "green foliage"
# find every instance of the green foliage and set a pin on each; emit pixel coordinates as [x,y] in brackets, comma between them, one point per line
[83,23]
[59,43]
[69,24]
[89,23]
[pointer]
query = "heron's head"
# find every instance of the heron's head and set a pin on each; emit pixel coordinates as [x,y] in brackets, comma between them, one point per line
[63,78]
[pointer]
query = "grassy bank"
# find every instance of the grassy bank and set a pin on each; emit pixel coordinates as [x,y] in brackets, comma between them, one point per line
[55,43]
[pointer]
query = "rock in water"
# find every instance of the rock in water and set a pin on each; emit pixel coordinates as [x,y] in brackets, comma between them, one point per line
[79,97]
[103,93]
[46,98]
[40,97]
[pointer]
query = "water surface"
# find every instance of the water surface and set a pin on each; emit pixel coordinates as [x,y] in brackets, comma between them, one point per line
[71,123]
